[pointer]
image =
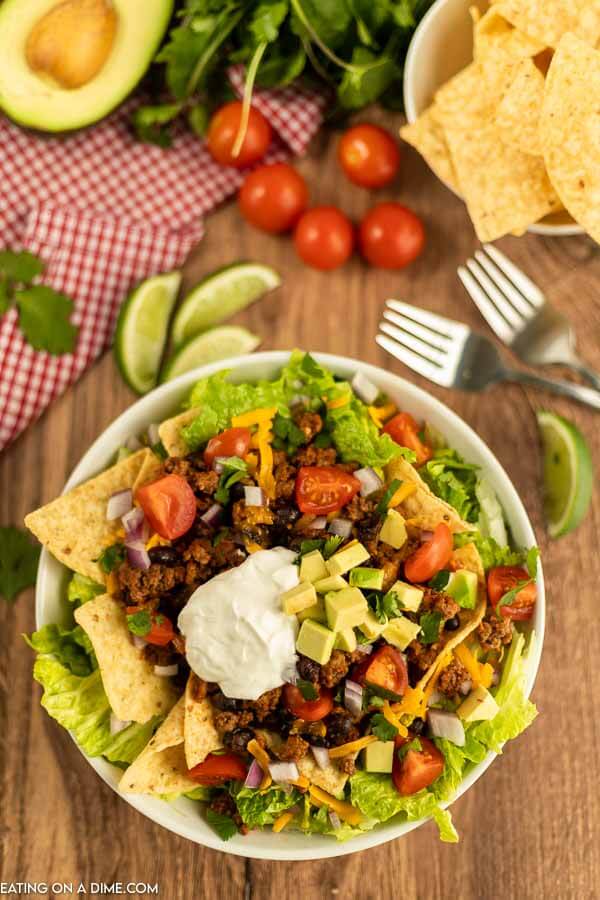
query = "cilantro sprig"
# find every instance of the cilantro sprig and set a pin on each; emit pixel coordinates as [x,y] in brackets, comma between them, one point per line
[234,470]
[18,561]
[430,627]
[44,314]
[383,729]
[327,546]
[385,606]
[531,564]
[111,557]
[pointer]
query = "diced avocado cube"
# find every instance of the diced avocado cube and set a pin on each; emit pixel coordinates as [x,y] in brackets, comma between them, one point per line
[363,577]
[479,706]
[346,640]
[346,608]
[312,567]
[353,554]
[298,598]
[409,597]
[400,632]
[331,583]
[393,530]
[463,586]
[371,627]
[379,756]
[315,641]
[316,612]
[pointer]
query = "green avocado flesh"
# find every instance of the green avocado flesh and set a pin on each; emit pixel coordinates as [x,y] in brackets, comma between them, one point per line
[37,101]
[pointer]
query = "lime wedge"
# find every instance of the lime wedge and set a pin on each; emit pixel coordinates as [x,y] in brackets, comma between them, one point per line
[220,296]
[567,473]
[218,343]
[142,330]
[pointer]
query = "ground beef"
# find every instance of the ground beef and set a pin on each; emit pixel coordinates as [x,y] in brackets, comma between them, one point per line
[340,728]
[200,550]
[437,601]
[266,703]
[347,765]
[336,669]
[141,585]
[285,478]
[238,740]
[422,656]
[247,516]
[293,748]
[360,508]
[309,423]
[452,677]
[227,554]
[493,633]
[231,721]
[200,479]
[224,804]
[316,456]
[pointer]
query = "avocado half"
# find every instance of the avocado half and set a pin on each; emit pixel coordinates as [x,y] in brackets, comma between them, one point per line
[36,100]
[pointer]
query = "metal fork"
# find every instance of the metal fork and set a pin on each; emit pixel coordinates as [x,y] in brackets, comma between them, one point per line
[519,314]
[452,355]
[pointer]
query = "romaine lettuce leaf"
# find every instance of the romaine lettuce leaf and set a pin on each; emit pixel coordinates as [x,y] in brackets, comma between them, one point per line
[71,647]
[317,821]
[492,554]
[453,480]
[258,808]
[81,589]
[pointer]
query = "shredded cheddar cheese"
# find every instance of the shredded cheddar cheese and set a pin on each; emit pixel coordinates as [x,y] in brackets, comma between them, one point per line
[344,400]
[282,820]
[265,783]
[481,673]
[265,471]
[302,782]
[251,460]
[351,747]
[157,541]
[380,414]
[393,719]
[112,585]
[254,417]
[259,754]
[345,811]
[252,546]
[404,491]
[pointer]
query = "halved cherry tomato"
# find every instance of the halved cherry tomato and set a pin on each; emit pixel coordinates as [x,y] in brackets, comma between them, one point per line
[404,430]
[431,557]
[161,631]
[391,236]
[384,670]
[222,133]
[169,505]
[218,768]
[418,769]
[323,489]
[309,710]
[273,197]
[324,237]
[368,155]
[505,578]
[232,442]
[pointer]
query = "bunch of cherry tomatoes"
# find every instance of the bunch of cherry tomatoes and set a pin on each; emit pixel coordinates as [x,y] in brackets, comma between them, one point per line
[274,197]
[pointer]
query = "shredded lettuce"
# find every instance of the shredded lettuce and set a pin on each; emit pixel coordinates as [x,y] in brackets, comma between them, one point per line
[453,480]
[81,589]
[491,516]
[492,554]
[71,646]
[258,808]
[317,821]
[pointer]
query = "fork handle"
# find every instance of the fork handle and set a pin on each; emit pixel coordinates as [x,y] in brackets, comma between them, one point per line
[578,366]
[585,395]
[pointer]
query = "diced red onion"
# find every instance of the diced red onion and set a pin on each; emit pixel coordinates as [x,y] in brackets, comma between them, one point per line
[137,555]
[364,389]
[166,671]
[447,725]
[341,527]
[153,435]
[255,775]
[319,523]
[138,642]
[253,496]
[495,678]
[365,648]
[369,481]
[353,697]
[133,443]
[119,504]
[117,725]
[133,521]
[335,820]
[284,771]
[434,697]
[212,514]
[321,755]
[465,687]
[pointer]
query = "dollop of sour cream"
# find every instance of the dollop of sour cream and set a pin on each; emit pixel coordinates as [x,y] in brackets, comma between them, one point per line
[236,633]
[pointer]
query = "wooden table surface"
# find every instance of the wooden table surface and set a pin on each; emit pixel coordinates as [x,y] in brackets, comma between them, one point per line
[530,828]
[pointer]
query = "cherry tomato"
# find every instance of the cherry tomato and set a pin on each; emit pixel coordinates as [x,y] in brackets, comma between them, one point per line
[223,130]
[324,237]
[431,557]
[369,156]
[384,670]
[418,769]
[404,430]
[232,442]
[323,489]
[169,505]
[309,710]
[391,236]
[218,768]
[505,578]
[273,197]
[161,631]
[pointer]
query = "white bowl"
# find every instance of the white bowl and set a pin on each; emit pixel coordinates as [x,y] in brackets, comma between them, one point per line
[182,817]
[441,46]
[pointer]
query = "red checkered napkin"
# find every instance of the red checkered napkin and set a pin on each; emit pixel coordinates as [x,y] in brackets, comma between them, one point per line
[105,211]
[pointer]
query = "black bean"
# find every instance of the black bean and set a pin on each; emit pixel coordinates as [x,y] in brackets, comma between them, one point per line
[340,729]
[308,670]
[236,492]
[225,704]
[165,556]
[238,740]
[418,726]
[452,624]
[286,515]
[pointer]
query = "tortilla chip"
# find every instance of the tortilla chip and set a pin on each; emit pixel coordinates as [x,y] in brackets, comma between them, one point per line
[518,114]
[331,779]
[74,527]
[161,767]
[570,130]
[201,736]
[423,504]
[427,136]
[170,432]
[134,692]
[494,37]
[588,26]
[151,469]
[505,189]
[544,20]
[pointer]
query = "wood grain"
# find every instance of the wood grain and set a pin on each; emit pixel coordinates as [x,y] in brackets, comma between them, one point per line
[529,829]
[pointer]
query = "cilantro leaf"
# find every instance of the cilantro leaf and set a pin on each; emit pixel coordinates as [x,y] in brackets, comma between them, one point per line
[18,561]
[44,319]
[331,545]
[440,581]
[140,622]
[288,436]
[223,825]
[234,470]
[415,744]
[307,689]
[22,267]
[430,627]
[111,557]
[383,504]
[309,545]
[385,606]
[383,729]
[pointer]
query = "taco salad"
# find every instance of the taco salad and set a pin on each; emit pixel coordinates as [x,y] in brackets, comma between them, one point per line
[292,603]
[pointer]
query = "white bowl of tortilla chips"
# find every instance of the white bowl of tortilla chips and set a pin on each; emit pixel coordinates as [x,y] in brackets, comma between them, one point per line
[184,816]
[501,101]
